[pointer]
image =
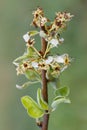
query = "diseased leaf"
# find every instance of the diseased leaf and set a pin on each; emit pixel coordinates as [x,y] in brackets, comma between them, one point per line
[40,100]
[58,100]
[32,107]
[63,91]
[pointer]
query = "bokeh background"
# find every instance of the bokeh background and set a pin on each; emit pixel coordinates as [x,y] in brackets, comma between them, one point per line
[15,17]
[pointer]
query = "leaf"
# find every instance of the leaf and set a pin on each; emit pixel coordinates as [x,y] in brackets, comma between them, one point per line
[40,100]
[58,100]
[31,75]
[32,107]
[63,91]
[33,33]
[20,58]
[27,84]
[31,52]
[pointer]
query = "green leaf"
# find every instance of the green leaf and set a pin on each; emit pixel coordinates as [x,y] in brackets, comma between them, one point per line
[63,91]
[20,58]
[33,33]
[31,52]
[32,107]
[27,84]
[31,75]
[40,100]
[58,100]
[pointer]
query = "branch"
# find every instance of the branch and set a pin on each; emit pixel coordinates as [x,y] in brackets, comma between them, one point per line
[44,88]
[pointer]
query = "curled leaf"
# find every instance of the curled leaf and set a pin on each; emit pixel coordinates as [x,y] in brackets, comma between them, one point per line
[40,100]
[27,84]
[23,57]
[58,100]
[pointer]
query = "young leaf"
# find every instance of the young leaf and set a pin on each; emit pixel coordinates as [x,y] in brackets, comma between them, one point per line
[20,58]
[32,107]
[31,52]
[27,84]
[58,100]
[33,33]
[63,91]
[40,100]
[31,74]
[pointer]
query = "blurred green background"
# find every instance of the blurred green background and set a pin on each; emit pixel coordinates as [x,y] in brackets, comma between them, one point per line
[15,17]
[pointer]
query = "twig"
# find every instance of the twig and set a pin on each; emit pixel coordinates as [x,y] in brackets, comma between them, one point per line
[44,88]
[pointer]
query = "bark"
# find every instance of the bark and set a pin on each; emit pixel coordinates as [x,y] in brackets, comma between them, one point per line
[44,89]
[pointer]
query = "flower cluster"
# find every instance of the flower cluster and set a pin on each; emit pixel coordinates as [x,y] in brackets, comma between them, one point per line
[33,61]
[39,20]
[53,65]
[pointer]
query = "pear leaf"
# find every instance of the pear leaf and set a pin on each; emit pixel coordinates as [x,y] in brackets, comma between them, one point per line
[58,100]
[40,100]
[27,84]
[33,33]
[23,57]
[32,107]
[31,74]
[63,91]
[31,52]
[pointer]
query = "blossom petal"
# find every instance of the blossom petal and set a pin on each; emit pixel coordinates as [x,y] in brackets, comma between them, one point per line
[49,60]
[54,42]
[26,37]
[35,64]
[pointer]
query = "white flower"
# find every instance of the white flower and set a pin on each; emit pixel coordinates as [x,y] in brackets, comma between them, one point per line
[43,21]
[54,42]
[42,34]
[26,37]
[35,64]
[49,60]
[61,59]
[61,40]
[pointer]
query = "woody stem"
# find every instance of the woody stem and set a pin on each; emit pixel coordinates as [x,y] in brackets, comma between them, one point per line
[44,88]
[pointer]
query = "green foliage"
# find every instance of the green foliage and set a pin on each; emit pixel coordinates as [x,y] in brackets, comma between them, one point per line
[57,100]
[31,74]
[33,33]
[31,52]
[32,107]
[27,84]
[63,91]
[40,100]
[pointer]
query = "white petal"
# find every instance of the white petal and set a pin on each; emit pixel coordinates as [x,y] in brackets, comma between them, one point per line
[54,42]
[35,64]
[42,34]
[61,40]
[49,60]
[59,59]
[26,37]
